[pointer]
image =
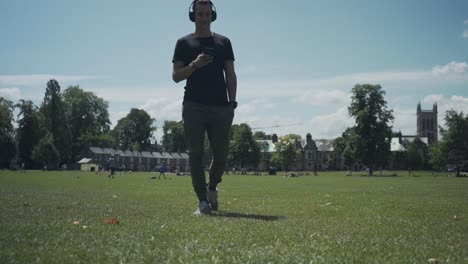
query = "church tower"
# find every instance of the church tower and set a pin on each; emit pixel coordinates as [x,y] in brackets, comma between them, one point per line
[427,125]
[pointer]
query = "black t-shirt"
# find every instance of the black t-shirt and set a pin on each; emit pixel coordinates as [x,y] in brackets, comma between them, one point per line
[207,84]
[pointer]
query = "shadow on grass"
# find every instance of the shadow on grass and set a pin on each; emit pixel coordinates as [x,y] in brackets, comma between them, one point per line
[381,176]
[247,216]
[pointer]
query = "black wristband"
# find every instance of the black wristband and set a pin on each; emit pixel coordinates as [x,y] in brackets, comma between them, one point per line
[233,104]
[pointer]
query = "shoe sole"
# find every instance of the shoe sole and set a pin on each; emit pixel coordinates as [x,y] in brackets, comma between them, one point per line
[198,212]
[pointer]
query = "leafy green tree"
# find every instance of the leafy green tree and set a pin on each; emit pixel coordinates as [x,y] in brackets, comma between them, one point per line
[339,144]
[30,130]
[348,157]
[56,122]
[244,150]
[135,130]
[423,151]
[294,136]
[234,130]
[104,140]
[7,131]
[285,152]
[45,152]
[453,148]
[260,135]
[88,119]
[438,158]
[173,139]
[344,146]
[373,130]
[400,160]
[415,161]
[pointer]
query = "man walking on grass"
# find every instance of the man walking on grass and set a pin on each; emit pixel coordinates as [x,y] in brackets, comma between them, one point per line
[162,170]
[204,59]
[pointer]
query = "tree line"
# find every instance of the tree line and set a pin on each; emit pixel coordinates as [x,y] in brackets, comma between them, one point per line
[64,126]
[67,123]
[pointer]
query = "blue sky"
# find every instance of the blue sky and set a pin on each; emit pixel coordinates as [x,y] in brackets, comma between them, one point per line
[296,61]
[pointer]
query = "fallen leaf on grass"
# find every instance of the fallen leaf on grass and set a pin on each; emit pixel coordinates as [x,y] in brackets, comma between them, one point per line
[327,204]
[112,221]
[456,218]
[433,261]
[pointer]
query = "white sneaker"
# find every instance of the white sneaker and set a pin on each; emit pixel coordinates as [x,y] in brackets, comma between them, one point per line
[203,208]
[212,197]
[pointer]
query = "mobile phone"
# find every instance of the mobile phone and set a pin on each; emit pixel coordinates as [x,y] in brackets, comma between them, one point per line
[209,51]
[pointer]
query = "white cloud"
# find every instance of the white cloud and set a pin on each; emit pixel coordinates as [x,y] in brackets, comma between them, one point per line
[115,116]
[433,98]
[405,121]
[256,114]
[396,100]
[460,100]
[453,72]
[455,102]
[254,106]
[330,125]
[10,93]
[164,108]
[452,67]
[40,79]
[325,97]
[140,94]
[247,109]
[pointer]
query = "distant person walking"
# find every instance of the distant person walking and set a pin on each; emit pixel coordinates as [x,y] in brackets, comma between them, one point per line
[111,167]
[162,170]
[206,61]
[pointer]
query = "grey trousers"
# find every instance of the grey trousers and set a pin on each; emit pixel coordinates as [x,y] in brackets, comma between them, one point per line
[216,121]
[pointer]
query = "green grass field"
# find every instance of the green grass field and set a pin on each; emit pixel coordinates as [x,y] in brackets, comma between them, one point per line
[58,217]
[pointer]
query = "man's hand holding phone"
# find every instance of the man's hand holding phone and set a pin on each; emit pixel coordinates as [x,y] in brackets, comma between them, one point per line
[203,59]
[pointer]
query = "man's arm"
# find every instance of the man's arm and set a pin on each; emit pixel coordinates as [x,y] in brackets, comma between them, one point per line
[181,72]
[231,80]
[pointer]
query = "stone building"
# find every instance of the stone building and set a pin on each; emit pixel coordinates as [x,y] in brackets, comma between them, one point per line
[136,160]
[317,153]
[426,124]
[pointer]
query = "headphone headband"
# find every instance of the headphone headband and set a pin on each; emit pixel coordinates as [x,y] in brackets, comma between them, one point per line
[192,13]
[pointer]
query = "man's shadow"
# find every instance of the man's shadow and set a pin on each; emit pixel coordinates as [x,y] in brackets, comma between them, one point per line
[247,216]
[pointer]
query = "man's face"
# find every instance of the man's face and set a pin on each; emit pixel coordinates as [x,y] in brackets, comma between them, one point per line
[203,15]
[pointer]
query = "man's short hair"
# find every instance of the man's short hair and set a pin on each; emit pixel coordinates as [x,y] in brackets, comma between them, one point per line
[202,2]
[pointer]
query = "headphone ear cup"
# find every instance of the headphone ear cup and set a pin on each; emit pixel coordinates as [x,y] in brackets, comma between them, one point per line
[192,16]
[213,16]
